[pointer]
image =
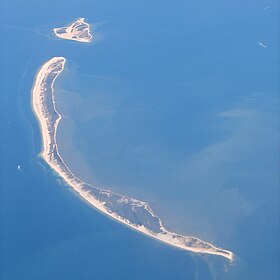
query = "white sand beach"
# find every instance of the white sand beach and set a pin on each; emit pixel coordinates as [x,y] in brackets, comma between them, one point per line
[115,205]
[77,31]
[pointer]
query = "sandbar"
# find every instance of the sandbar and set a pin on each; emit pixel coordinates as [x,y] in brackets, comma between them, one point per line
[134,213]
[76,31]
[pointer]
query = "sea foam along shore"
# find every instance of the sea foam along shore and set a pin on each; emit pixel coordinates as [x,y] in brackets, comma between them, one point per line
[77,31]
[131,212]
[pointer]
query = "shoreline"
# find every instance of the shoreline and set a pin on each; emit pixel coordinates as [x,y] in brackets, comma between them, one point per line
[133,213]
[73,31]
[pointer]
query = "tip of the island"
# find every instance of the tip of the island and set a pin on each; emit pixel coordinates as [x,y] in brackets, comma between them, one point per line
[76,31]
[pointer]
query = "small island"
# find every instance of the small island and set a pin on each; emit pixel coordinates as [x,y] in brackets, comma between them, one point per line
[129,211]
[77,31]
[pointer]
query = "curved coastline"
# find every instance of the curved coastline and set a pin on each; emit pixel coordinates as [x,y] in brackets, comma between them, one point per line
[131,212]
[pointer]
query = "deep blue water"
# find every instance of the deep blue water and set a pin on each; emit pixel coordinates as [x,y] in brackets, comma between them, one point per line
[46,231]
[175,104]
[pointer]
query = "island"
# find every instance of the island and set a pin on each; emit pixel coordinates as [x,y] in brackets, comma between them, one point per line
[77,31]
[134,213]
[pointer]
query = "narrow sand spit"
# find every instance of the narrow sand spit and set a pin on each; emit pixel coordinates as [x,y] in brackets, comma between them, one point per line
[134,213]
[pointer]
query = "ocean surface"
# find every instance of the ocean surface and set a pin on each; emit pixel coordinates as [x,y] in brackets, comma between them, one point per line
[175,104]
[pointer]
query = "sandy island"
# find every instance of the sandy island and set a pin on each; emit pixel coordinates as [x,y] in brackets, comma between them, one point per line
[77,31]
[131,212]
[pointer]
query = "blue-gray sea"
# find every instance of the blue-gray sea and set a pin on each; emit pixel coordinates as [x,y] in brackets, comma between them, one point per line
[174,103]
